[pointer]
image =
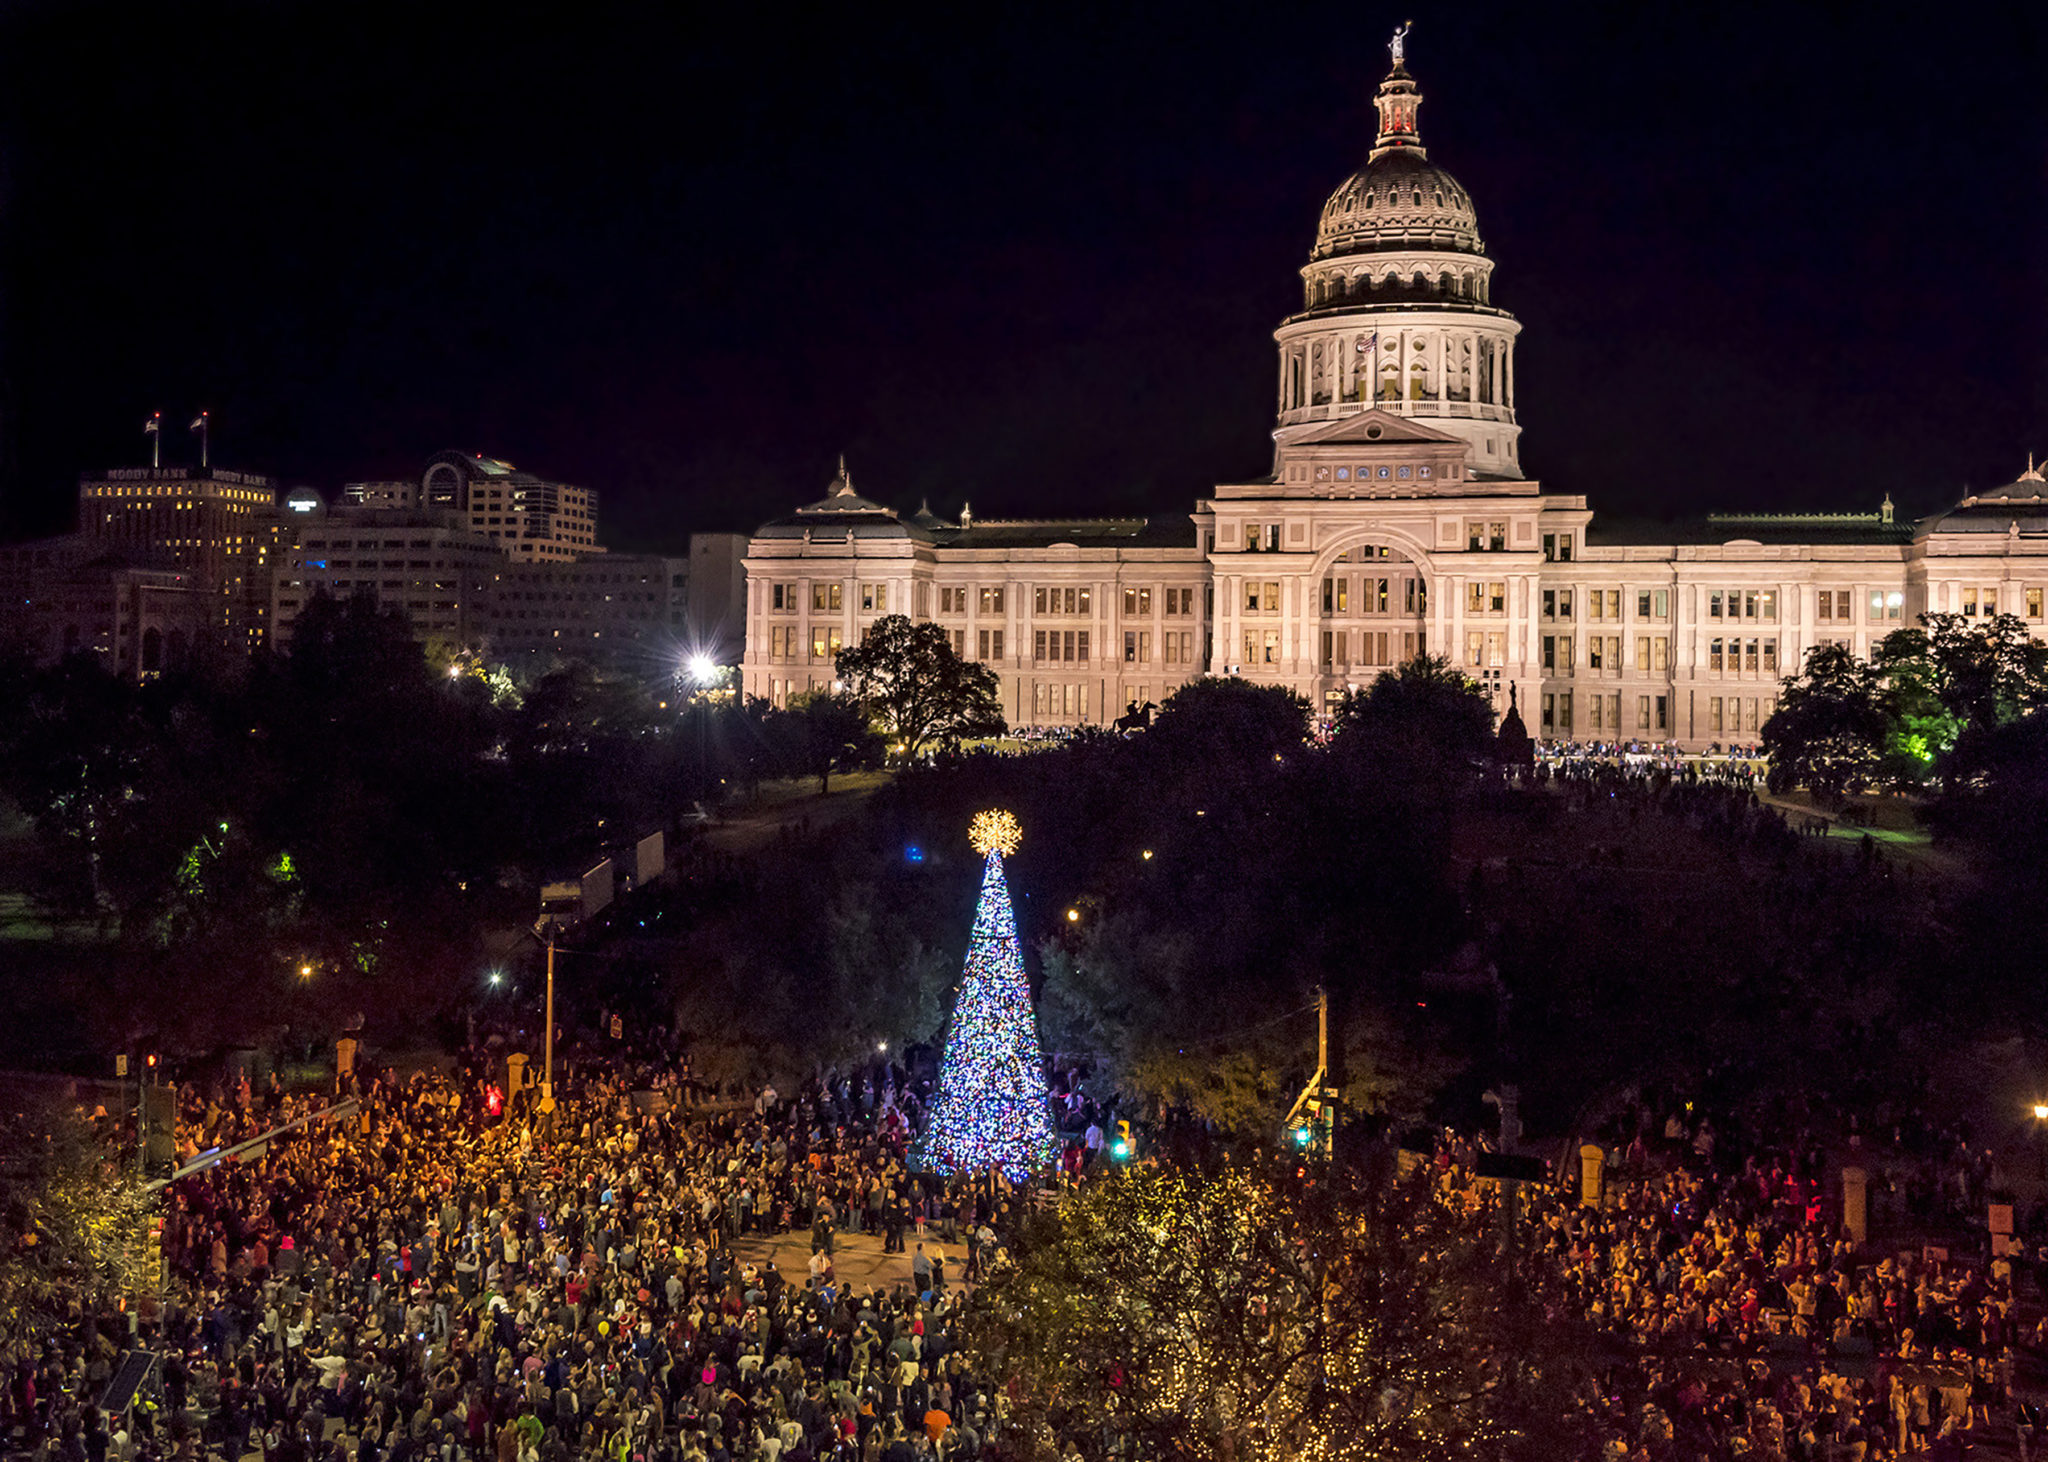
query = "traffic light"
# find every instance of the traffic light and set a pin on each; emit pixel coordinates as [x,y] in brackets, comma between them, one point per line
[1121,1146]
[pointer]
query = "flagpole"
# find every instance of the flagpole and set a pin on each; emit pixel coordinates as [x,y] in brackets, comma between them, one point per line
[202,426]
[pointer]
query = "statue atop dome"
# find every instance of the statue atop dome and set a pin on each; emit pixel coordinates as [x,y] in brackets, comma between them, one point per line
[1398,46]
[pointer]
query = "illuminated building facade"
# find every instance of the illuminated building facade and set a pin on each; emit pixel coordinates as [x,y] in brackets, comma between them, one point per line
[218,527]
[627,608]
[531,519]
[430,566]
[1396,519]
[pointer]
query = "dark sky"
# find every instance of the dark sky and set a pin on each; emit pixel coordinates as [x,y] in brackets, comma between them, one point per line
[1763,256]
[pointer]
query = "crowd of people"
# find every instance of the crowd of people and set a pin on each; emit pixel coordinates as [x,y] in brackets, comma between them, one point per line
[1732,766]
[429,1278]
[420,1281]
[1740,1320]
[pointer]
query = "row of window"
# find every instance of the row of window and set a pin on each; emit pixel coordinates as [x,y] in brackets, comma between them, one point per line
[1604,713]
[1653,653]
[1603,654]
[953,598]
[1751,659]
[987,646]
[1369,474]
[1376,596]
[1485,598]
[345,544]
[1375,647]
[1067,702]
[1176,647]
[1049,645]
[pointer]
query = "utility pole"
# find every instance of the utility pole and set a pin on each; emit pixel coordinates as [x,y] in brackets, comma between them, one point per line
[1323,1029]
[1326,1116]
[1312,1122]
[547,1077]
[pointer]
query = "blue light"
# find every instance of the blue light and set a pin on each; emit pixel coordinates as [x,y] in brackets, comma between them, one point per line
[913,854]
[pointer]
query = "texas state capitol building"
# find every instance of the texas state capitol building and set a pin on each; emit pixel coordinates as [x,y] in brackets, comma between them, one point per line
[1396,520]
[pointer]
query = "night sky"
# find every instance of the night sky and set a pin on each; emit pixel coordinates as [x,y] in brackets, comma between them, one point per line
[1763,257]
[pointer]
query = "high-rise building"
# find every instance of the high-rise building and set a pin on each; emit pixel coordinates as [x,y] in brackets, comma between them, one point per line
[531,519]
[1396,519]
[430,565]
[219,527]
[624,608]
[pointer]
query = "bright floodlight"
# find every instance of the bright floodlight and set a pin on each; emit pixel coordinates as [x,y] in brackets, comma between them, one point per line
[703,669]
[2041,1111]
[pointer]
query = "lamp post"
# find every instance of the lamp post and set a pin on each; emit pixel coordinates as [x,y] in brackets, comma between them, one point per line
[546,928]
[702,671]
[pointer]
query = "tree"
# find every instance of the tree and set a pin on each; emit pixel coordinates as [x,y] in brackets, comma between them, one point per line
[1256,1315]
[1227,719]
[826,732]
[1425,724]
[1831,724]
[1997,790]
[72,1214]
[1954,675]
[991,1110]
[919,689]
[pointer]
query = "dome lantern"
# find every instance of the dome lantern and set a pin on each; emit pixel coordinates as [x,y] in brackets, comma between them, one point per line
[1397,103]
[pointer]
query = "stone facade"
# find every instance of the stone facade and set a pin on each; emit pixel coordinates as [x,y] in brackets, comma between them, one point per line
[1396,520]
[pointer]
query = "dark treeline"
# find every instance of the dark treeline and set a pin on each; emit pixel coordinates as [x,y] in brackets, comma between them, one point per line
[346,808]
[350,809]
[1186,889]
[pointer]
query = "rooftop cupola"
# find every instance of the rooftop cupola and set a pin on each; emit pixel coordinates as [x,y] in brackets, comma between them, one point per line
[1397,103]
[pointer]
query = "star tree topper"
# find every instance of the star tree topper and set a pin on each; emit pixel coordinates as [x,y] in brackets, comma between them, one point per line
[994,832]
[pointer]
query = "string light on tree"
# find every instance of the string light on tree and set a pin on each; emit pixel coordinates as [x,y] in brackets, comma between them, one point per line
[991,1110]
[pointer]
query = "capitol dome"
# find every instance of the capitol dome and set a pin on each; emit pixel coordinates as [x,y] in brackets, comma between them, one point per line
[1397,311]
[1398,201]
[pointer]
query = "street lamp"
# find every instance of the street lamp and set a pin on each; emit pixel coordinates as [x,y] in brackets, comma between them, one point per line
[702,669]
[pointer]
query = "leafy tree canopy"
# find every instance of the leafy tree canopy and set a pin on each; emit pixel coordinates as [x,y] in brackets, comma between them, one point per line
[1830,726]
[826,732]
[918,688]
[1253,1315]
[1230,721]
[1426,724]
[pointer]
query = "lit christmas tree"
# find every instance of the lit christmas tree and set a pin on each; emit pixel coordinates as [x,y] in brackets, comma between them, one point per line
[991,1110]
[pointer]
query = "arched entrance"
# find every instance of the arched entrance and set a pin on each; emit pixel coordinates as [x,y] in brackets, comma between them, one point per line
[1372,602]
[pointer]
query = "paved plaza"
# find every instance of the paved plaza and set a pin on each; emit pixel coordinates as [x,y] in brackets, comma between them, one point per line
[857,1259]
